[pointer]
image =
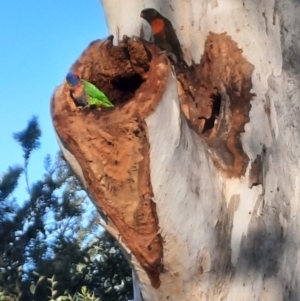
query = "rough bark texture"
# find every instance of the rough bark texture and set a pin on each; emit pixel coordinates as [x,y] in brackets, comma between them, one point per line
[111,145]
[196,169]
[216,100]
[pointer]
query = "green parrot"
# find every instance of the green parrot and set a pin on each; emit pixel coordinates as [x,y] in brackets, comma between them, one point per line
[85,93]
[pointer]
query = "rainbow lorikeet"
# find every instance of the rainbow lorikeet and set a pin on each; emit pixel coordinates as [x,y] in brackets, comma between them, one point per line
[163,33]
[85,93]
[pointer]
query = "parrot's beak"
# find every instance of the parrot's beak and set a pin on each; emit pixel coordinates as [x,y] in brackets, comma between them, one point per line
[77,74]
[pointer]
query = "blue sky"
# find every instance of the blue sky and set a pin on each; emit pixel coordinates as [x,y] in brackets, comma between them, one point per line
[39,42]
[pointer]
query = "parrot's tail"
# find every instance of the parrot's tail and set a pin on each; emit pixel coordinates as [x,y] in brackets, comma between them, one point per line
[107,105]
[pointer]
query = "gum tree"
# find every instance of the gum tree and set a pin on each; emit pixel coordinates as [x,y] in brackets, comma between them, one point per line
[195,170]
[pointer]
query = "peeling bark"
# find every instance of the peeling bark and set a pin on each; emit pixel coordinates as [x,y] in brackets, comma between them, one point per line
[111,146]
[216,100]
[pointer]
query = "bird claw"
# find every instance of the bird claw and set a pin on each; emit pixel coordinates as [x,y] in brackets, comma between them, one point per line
[135,38]
[171,56]
[93,107]
[78,109]
[125,38]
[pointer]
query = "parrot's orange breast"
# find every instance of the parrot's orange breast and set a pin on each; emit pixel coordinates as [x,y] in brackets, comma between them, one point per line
[157,25]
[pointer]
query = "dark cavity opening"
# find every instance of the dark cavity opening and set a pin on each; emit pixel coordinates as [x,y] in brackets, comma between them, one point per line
[123,88]
[210,122]
[127,84]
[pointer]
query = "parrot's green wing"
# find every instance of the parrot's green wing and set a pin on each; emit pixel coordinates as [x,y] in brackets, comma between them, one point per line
[96,97]
[99,103]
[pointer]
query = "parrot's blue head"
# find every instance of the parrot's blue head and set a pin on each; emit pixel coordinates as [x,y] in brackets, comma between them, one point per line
[72,78]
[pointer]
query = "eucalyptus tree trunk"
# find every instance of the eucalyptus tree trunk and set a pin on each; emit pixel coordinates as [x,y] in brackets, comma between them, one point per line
[196,170]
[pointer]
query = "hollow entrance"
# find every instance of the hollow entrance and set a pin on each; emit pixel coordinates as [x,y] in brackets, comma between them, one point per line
[210,122]
[118,71]
[123,88]
[219,89]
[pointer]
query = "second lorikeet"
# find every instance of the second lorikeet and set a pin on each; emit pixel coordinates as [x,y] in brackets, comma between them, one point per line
[85,93]
[163,33]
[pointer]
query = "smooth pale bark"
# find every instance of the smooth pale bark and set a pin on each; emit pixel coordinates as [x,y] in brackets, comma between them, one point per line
[264,236]
[223,238]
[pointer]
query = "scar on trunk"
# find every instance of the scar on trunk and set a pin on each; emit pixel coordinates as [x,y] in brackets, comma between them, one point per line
[111,145]
[215,97]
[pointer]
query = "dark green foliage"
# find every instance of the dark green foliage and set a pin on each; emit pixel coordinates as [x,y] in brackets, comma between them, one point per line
[29,141]
[9,181]
[54,232]
[111,279]
[29,138]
